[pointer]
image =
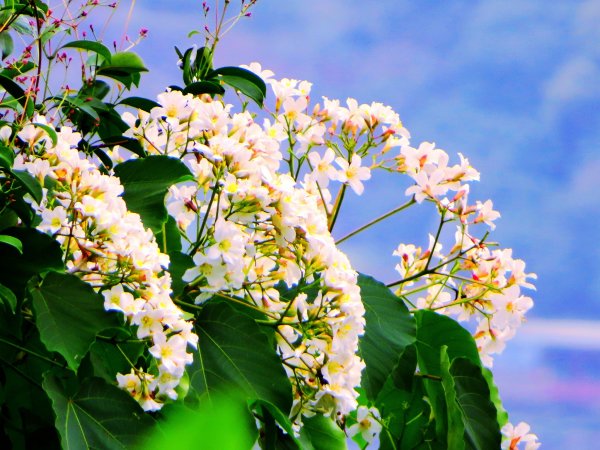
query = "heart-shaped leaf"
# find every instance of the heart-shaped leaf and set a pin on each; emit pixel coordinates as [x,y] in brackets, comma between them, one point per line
[69,315]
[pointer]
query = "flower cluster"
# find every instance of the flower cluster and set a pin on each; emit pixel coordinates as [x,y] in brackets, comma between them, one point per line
[108,247]
[472,279]
[260,238]
[257,221]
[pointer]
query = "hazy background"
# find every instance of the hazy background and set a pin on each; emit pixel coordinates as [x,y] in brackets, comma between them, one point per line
[513,85]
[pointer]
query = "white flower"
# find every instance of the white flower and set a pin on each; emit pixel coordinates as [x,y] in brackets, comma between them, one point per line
[486,214]
[53,219]
[5,133]
[323,169]
[367,425]
[427,185]
[353,174]
[513,436]
[171,352]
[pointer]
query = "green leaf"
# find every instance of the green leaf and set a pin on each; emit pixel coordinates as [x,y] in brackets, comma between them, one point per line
[265,408]
[204,87]
[169,237]
[111,125]
[321,433]
[21,207]
[456,427]
[224,424]
[6,45]
[95,88]
[130,144]
[8,298]
[80,104]
[14,89]
[245,81]
[403,375]
[40,254]
[95,414]
[146,182]
[435,331]
[8,218]
[405,413]
[108,358]
[468,402]
[30,184]
[406,416]
[180,262]
[233,351]
[7,157]
[49,130]
[27,416]
[17,69]
[502,415]
[12,241]
[124,67]
[103,157]
[69,315]
[122,64]
[389,330]
[195,64]
[140,103]
[127,80]
[91,46]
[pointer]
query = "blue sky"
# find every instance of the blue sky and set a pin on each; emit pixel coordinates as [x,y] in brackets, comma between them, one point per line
[515,86]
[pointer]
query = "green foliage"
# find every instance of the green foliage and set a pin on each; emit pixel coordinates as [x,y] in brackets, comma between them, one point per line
[389,330]
[29,183]
[435,331]
[91,46]
[248,83]
[233,351]
[321,433]
[200,78]
[106,358]
[472,420]
[140,103]
[502,415]
[11,241]
[204,87]
[7,157]
[225,423]
[124,67]
[95,414]
[13,89]
[146,182]
[69,314]
[277,430]
[195,64]
[40,253]
[403,407]
[180,262]
[169,237]
[8,298]
[6,45]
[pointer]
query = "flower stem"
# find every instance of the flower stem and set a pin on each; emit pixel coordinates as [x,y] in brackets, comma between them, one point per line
[377,220]
[336,207]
